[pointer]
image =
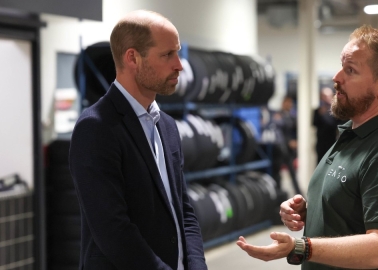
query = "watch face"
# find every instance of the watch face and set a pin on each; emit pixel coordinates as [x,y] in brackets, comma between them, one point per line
[296,259]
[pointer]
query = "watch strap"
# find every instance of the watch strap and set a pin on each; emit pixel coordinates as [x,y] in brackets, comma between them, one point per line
[299,246]
[302,251]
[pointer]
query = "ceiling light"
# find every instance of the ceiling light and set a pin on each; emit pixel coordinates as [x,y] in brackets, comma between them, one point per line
[371,9]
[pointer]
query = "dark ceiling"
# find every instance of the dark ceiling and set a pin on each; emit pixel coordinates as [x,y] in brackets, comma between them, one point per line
[332,14]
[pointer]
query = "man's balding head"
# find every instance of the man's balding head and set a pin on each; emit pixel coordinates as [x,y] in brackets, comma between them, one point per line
[135,31]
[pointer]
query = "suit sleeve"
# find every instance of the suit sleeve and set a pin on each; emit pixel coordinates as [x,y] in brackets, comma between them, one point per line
[95,164]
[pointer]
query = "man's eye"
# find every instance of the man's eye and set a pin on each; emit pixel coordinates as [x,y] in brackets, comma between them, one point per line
[349,70]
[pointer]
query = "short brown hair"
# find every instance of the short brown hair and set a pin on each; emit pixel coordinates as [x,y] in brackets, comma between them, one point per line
[132,32]
[368,35]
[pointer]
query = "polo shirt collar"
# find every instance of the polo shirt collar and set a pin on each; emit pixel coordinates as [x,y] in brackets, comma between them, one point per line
[362,131]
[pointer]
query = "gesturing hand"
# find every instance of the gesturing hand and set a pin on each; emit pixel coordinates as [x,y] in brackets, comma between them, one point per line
[280,248]
[293,213]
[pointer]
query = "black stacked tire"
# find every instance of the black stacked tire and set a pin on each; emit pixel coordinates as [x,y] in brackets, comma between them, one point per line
[94,72]
[239,141]
[188,144]
[208,141]
[205,209]
[226,207]
[239,203]
[207,77]
[267,187]
[233,76]
[63,211]
[256,206]
[258,81]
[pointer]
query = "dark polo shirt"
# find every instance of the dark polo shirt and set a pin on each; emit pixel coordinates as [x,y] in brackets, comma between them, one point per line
[343,191]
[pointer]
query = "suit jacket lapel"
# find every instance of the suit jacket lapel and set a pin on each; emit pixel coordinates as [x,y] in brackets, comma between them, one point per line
[167,152]
[168,161]
[167,142]
[135,129]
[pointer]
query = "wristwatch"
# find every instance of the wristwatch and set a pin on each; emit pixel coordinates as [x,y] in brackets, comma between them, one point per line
[297,255]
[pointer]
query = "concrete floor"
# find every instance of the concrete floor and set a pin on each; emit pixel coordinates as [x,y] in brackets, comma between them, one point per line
[230,257]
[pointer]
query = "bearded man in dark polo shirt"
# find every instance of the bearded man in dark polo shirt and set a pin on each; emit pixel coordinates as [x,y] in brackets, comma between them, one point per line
[340,218]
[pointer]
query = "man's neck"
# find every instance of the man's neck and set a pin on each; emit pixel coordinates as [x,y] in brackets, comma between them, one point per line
[363,118]
[144,97]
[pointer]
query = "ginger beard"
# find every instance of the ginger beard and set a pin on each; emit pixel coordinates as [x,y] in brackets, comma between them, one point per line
[350,107]
[148,78]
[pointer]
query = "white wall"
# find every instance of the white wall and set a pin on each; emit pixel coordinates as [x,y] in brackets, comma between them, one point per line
[16,132]
[226,25]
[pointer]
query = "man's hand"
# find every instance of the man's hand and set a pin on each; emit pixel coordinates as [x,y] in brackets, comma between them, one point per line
[293,213]
[282,245]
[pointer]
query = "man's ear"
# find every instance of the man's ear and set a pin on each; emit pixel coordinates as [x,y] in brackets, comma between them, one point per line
[131,58]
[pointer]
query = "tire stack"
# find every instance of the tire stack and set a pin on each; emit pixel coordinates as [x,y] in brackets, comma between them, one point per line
[215,142]
[212,77]
[200,138]
[94,72]
[220,78]
[63,211]
[223,207]
[240,143]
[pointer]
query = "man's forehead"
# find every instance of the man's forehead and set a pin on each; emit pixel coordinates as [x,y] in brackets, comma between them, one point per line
[353,51]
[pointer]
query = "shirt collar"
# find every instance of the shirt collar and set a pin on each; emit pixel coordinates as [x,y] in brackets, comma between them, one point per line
[153,109]
[362,131]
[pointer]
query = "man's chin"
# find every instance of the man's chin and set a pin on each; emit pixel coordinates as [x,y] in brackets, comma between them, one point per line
[340,113]
[167,92]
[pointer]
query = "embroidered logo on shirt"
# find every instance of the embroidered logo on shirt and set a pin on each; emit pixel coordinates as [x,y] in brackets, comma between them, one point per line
[338,173]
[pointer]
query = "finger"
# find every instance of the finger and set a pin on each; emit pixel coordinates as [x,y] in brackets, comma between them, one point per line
[265,253]
[241,238]
[280,237]
[242,245]
[290,217]
[286,206]
[297,227]
[298,202]
[293,223]
[298,198]
[241,242]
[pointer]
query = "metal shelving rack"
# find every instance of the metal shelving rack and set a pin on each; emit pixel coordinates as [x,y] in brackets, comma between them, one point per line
[231,170]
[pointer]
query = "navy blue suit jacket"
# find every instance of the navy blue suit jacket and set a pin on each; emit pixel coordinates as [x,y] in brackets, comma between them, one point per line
[127,221]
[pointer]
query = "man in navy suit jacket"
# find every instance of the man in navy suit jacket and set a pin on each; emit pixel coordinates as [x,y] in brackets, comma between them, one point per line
[126,160]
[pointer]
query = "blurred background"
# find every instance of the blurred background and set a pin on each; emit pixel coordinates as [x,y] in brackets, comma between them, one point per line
[249,107]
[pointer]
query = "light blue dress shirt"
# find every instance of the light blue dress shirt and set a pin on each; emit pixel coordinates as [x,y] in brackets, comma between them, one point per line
[148,120]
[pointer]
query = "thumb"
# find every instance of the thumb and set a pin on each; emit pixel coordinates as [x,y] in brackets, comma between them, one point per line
[280,237]
[298,199]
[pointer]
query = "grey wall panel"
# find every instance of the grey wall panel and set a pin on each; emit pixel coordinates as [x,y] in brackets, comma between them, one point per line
[85,9]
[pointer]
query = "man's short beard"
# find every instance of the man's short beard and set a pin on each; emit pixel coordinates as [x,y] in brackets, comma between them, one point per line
[351,107]
[148,78]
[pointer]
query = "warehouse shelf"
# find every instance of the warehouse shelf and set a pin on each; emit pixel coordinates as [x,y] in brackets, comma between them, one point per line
[190,176]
